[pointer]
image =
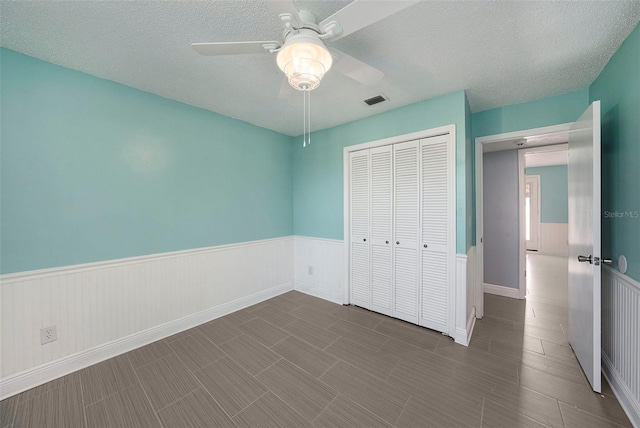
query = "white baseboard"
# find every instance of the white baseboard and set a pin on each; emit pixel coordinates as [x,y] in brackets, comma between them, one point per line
[621,391]
[313,290]
[50,371]
[501,290]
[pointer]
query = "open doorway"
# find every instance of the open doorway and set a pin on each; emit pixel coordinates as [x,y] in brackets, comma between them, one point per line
[502,159]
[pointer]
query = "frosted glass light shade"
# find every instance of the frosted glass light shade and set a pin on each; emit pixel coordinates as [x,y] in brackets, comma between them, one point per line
[304,60]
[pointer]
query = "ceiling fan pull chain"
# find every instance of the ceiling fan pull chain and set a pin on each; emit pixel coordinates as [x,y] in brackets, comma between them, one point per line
[309,118]
[304,118]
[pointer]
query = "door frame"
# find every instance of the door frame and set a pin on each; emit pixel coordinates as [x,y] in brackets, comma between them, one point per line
[534,207]
[458,290]
[479,264]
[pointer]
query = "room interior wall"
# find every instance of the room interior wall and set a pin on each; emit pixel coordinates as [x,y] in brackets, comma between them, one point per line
[92,170]
[501,218]
[127,217]
[554,209]
[618,89]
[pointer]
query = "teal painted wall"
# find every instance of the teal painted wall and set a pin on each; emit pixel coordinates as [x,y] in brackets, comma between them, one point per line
[548,111]
[91,170]
[318,169]
[554,193]
[618,89]
[554,110]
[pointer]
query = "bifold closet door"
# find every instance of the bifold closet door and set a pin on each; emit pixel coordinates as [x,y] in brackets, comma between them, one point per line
[359,225]
[437,188]
[381,230]
[406,233]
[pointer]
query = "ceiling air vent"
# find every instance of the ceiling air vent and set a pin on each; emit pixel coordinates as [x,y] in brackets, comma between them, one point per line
[375,100]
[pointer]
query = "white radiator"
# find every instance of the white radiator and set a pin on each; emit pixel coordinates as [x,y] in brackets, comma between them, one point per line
[621,339]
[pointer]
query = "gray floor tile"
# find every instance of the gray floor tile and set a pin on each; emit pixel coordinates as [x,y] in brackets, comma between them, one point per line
[604,405]
[231,386]
[413,334]
[196,351]
[239,317]
[149,353]
[576,418]
[306,356]
[463,407]
[358,316]
[317,304]
[317,318]
[342,412]
[165,381]
[263,331]
[197,409]
[274,316]
[479,360]
[270,411]
[497,416]
[381,398]
[54,384]
[530,403]
[376,363]
[181,335]
[359,334]
[419,413]
[126,408]
[105,378]
[554,367]
[8,408]
[220,330]
[297,388]
[250,354]
[59,407]
[311,333]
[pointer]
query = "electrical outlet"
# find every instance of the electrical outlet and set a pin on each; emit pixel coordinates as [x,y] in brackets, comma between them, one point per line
[310,270]
[48,334]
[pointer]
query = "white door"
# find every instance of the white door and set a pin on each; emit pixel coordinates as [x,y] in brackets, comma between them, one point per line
[437,185]
[381,230]
[532,211]
[405,159]
[359,225]
[584,242]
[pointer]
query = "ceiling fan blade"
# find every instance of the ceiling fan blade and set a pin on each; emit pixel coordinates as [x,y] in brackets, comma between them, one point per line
[360,14]
[234,48]
[355,69]
[285,7]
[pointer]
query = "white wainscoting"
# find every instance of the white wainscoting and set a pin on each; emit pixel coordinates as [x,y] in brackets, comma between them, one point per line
[621,339]
[319,267]
[104,309]
[464,307]
[554,239]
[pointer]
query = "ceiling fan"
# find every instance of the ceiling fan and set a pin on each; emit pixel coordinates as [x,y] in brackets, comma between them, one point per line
[302,55]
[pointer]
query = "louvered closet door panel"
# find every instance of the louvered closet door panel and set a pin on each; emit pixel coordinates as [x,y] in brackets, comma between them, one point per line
[436,196]
[381,229]
[359,224]
[406,184]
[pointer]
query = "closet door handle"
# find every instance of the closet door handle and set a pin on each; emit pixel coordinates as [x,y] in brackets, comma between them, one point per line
[425,245]
[365,239]
[386,242]
[397,242]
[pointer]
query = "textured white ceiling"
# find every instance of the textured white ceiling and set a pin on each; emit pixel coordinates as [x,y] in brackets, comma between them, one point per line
[501,53]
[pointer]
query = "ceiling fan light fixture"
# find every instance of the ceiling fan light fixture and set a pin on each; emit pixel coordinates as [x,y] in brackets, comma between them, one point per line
[304,60]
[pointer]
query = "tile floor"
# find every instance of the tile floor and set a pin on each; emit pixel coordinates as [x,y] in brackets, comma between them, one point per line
[298,361]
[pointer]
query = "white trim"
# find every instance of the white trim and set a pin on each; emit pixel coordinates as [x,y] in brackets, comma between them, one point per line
[459,330]
[310,289]
[44,273]
[501,290]
[621,391]
[490,139]
[629,401]
[534,179]
[30,378]
[463,336]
